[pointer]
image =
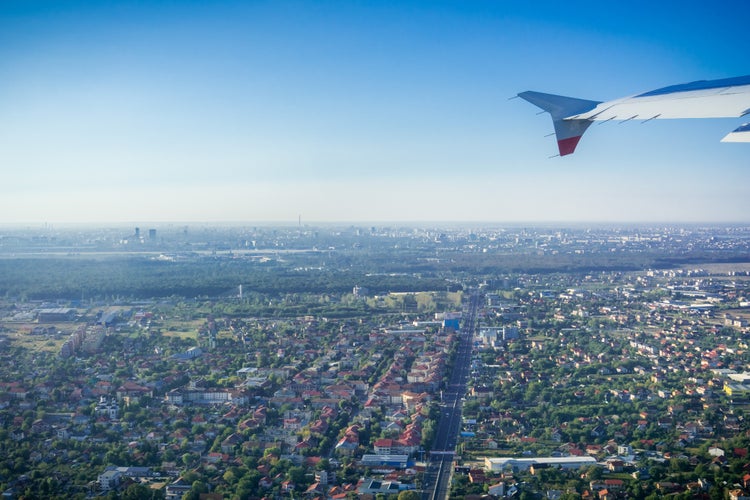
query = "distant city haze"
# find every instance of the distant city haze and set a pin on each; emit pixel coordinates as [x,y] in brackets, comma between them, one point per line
[340,111]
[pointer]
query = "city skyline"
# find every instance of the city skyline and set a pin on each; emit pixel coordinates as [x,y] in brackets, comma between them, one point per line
[370,111]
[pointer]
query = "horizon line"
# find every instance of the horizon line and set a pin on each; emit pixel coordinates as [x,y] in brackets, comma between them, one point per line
[409,223]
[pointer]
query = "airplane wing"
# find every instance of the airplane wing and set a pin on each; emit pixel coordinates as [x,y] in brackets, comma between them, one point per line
[725,98]
[740,134]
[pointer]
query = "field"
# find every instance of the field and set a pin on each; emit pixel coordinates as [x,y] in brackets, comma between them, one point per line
[20,335]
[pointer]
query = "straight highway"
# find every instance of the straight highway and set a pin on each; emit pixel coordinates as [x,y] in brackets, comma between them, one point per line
[436,484]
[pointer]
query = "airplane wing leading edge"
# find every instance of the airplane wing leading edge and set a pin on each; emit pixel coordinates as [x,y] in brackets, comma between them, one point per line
[726,98]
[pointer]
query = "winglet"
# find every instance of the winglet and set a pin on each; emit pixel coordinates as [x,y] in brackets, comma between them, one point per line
[567,131]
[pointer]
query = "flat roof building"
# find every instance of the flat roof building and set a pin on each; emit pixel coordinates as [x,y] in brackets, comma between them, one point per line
[494,464]
[395,461]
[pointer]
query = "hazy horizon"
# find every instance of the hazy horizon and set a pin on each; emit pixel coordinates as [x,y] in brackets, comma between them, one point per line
[425,224]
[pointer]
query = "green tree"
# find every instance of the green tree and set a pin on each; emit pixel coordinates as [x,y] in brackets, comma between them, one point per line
[137,492]
[716,493]
[409,495]
[196,489]
[296,475]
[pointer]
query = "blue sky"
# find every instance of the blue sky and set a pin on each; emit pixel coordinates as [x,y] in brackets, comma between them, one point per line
[358,111]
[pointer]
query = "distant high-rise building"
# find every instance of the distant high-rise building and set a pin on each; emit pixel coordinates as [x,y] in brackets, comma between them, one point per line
[152,234]
[137,232]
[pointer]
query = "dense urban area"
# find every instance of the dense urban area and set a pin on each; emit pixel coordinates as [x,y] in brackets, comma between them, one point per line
[375,362]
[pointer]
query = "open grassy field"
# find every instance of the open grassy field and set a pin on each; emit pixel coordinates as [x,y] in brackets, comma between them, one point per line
[20,335]
[182,329]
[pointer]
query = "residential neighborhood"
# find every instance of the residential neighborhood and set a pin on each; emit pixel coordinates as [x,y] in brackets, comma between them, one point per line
[610,383]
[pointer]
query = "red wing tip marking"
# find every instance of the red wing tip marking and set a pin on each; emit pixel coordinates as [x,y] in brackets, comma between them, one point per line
[567,146]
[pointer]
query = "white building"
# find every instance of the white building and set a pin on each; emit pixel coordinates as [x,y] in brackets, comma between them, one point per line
[109,479]
[493,464]
[106,408]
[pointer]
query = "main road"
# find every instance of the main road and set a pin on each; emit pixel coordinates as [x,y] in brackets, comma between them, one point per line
[435,485]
